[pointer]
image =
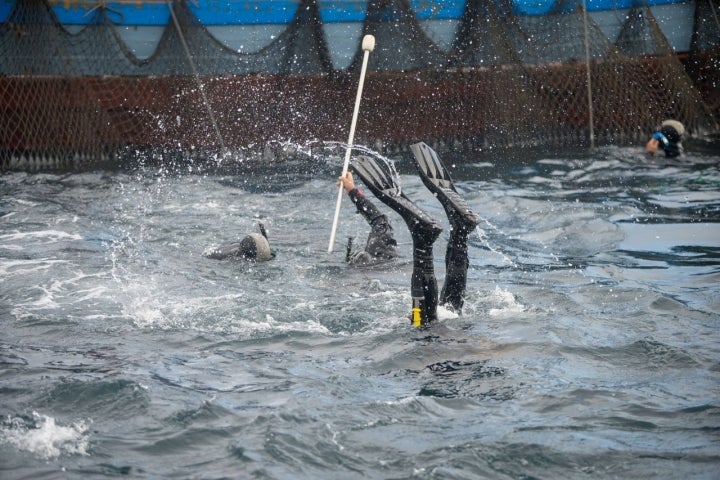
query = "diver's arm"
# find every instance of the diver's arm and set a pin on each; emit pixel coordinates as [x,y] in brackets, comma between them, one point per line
[364,206]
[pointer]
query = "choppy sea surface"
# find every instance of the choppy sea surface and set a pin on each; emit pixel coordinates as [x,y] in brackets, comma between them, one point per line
[589,346]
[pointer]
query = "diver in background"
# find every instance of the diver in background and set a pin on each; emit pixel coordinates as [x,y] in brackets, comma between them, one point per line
[423,229]
[381,244]
[254,247]
[667,137]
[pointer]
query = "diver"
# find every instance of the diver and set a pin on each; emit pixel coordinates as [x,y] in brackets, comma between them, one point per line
[381,244]
[667,137]
[254,247]
[423,229]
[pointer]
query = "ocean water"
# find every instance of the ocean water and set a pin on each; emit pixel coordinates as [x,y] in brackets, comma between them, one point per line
[589,345]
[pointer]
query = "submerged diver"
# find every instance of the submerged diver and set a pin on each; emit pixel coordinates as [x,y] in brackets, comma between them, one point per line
[667,137]
[423,229]
[381,244]
[254,246]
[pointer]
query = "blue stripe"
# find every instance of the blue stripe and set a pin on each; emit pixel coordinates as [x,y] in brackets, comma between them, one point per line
[256,12]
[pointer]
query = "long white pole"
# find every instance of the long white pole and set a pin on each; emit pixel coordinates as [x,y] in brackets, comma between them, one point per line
[368,45]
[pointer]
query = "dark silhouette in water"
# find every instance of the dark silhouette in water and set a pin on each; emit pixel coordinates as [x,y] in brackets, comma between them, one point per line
[255,246]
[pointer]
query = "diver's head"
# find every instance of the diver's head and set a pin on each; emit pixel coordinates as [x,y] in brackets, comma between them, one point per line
[673,130]
[255,247]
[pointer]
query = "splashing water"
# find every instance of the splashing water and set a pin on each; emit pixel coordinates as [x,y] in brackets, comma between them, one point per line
[587,345]
[42,436]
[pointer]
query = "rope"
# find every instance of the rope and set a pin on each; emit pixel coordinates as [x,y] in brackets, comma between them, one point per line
[201,87]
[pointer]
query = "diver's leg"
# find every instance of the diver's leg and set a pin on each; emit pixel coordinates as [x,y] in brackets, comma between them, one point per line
[423,284]
[456,266]
[462,221]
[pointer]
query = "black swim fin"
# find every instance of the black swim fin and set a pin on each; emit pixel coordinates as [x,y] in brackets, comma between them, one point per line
[437,179]
[380,181]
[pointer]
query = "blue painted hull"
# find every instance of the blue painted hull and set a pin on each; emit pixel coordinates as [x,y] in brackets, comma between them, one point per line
[259,12]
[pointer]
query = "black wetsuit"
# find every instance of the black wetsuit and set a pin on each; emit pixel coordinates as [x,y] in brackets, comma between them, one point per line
[423,284]
[381,244]
[673,150]
[423,229]
[456,266]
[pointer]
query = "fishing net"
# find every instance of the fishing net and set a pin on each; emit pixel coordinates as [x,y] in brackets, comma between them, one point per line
[70,97]
[401,44]
[703,61]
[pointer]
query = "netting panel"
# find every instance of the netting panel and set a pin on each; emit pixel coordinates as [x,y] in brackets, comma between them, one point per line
[506,81]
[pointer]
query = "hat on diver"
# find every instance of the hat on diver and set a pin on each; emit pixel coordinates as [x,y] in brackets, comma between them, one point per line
[673,130]
[255,247]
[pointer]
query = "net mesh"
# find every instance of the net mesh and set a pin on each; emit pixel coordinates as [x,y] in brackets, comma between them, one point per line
[703,62]
[74,97]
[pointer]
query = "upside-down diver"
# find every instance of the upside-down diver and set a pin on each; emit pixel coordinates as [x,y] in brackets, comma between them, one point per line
[381,244]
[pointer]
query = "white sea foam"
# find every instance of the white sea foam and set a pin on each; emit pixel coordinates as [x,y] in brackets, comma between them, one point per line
[44,437]
[445,313]
[93,293]
[48,236]
[401,401]
[506,303]
[27,266]
[161,313]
